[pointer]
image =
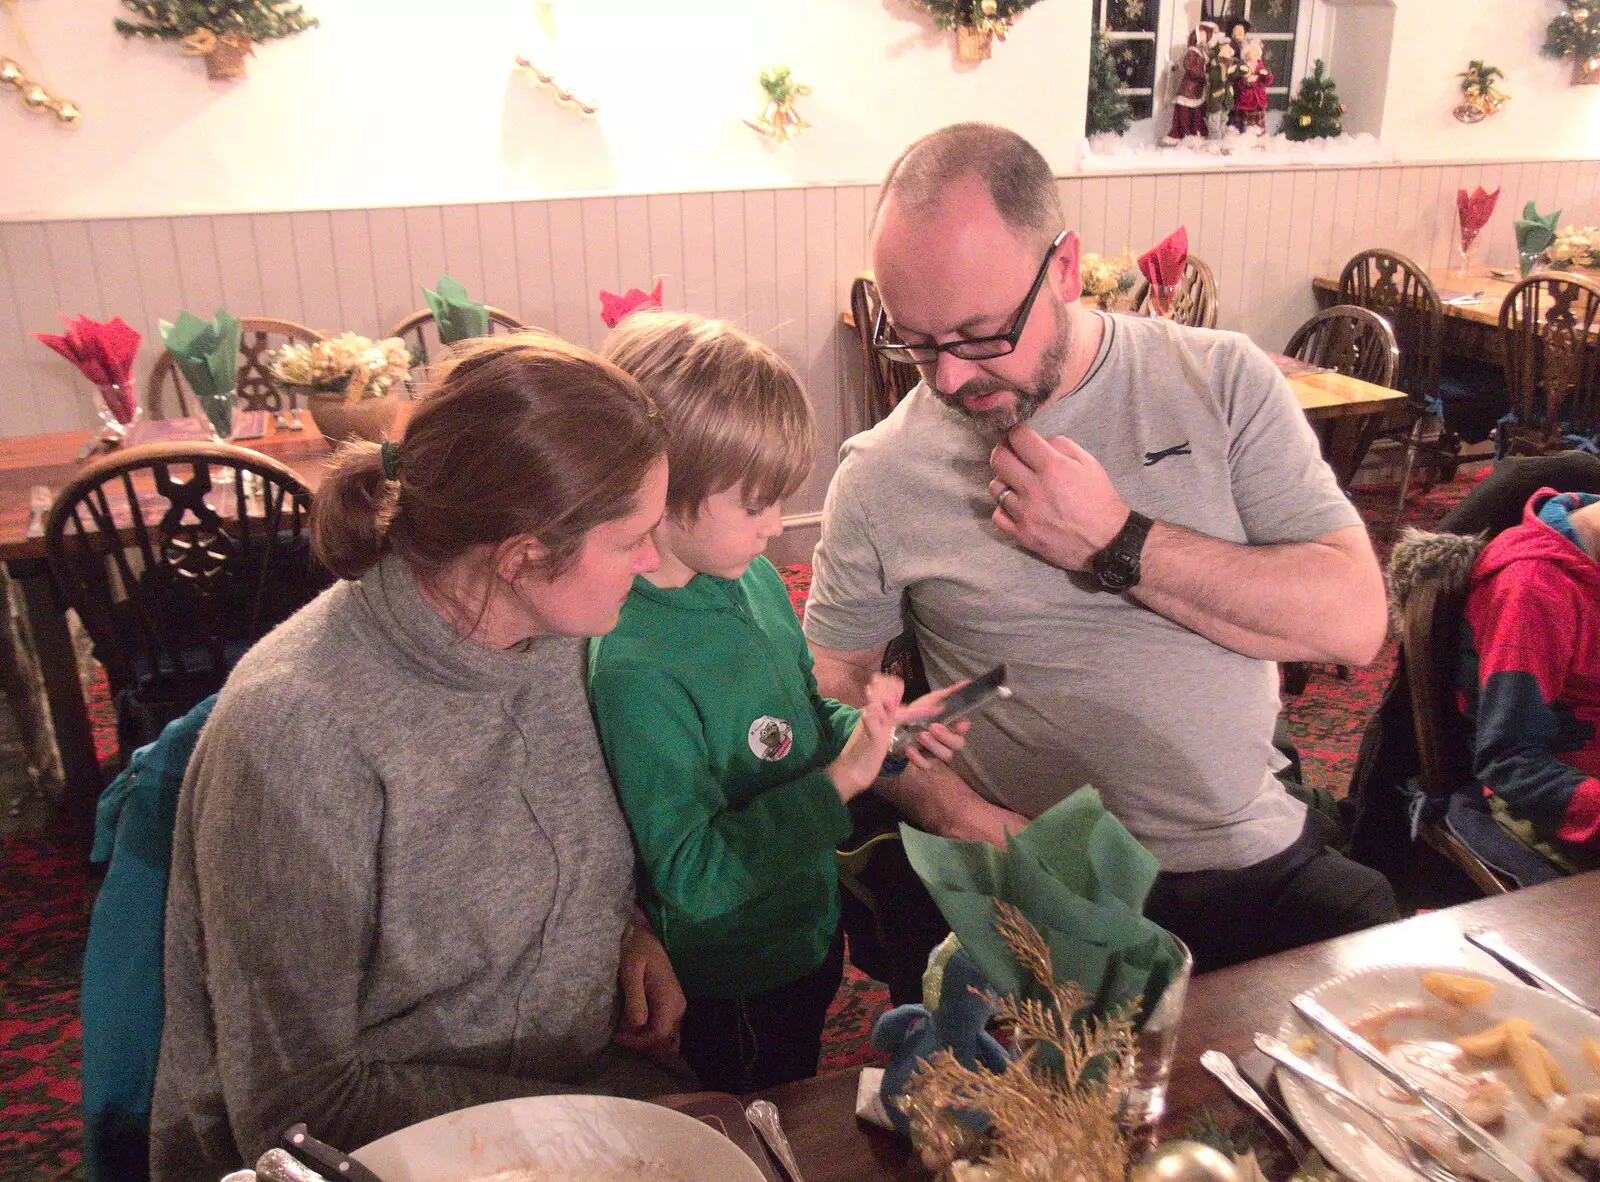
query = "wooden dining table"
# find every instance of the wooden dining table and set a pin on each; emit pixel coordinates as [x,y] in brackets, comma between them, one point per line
[1472,328]
[53,461]
[1551,924]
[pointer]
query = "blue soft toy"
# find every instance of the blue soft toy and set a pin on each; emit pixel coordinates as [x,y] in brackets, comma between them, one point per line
[911,1034]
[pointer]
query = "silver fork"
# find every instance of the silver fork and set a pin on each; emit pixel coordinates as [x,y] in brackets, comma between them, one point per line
[1416,1156]
[1223,1068]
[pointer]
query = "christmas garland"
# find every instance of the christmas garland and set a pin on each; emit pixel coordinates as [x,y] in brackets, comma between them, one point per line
[252,20]
[1574,33]
[976,14]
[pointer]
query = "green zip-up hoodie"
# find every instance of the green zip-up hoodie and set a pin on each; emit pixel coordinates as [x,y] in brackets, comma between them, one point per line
[719,743]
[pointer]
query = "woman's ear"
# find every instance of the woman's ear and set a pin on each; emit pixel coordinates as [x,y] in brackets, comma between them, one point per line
[519,556]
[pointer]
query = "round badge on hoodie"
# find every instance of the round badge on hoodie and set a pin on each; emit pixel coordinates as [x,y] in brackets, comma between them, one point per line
[770,738]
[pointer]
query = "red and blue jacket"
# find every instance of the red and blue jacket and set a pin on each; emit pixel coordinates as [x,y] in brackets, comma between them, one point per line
[1532,671]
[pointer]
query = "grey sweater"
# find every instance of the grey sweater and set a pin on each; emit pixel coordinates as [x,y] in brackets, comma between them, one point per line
[399,884]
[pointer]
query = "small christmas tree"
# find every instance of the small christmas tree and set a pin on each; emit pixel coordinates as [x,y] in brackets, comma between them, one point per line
[1316,112]
[1573,33]
[255,20]
[1108,106]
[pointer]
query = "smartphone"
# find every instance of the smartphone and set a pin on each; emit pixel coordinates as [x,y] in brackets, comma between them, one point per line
[969,699]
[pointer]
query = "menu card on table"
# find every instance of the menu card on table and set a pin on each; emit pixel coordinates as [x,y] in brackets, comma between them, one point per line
[1293,367]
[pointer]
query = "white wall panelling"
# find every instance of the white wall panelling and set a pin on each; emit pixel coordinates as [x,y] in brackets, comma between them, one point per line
[779,261]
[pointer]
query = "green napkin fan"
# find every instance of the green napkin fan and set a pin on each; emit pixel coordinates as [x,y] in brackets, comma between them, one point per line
[458,318]
[1535,232]
[1079,877]
[207,353]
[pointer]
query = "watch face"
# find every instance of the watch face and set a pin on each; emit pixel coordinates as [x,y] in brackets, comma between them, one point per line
[1116,572]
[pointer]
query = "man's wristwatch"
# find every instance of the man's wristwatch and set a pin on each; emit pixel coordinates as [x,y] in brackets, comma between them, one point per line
[1117,566]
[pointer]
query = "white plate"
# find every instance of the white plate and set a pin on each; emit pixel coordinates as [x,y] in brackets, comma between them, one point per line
[1370,1156]
[570,1137]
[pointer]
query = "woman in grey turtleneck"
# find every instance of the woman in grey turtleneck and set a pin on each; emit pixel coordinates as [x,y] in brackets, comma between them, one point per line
[401,883]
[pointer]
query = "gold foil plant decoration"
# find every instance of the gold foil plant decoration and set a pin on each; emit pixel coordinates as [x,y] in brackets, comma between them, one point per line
[779,119]
[978,23]
[1052,1112]
[224,32]
[1480,97]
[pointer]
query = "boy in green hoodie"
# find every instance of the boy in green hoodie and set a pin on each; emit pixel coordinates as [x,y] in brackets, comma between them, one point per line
[733,771]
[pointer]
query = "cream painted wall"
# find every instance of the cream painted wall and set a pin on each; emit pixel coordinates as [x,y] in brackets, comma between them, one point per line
[400,102]
[1547,116]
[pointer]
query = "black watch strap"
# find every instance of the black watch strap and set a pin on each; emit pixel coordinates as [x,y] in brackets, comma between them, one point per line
[1116,568]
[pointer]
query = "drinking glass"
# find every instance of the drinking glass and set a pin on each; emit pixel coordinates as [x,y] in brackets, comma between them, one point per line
[1155,1045]
[1161,297]
[118,409]
[1469,239]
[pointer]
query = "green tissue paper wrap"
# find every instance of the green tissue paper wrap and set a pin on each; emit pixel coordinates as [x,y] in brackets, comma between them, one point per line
[1081,879]
[207,353]
[458,317]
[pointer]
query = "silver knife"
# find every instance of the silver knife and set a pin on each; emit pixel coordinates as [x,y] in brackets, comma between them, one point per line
[1491,943]
[1335,1029]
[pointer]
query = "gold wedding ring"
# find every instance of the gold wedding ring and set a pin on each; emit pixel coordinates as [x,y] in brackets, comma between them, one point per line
[1002,500]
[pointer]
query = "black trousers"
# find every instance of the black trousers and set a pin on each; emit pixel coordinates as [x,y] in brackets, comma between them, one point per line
[1309,892]
[745,1044]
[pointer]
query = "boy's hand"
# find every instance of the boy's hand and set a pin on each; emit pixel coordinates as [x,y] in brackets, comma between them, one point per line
[857,766]
[652,1000]
[941,741]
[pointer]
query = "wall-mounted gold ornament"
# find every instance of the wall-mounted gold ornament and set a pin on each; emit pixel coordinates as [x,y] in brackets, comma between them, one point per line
[779,120]
[225,55]
[565,97]
[1480,97]
[11,75]
[35,96]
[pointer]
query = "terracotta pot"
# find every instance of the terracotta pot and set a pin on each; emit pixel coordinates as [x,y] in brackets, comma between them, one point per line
[1586,71]
[342,420]
[227,60]
[973,45]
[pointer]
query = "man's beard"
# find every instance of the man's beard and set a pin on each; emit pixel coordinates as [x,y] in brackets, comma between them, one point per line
[1031,395]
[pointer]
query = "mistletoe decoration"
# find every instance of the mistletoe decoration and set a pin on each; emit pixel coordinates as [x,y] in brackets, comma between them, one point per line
[1482,97]
[779,120]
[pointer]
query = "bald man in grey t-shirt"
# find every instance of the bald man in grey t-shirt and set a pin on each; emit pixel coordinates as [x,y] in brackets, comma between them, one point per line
[1133,516]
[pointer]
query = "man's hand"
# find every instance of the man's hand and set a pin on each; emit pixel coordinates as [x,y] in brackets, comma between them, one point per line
[652,1000]
[1054,498]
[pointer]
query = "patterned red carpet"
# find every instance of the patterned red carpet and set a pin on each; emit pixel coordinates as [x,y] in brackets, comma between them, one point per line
[43,922]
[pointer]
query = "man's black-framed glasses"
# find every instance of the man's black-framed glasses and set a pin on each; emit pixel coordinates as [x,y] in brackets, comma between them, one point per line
[888,345]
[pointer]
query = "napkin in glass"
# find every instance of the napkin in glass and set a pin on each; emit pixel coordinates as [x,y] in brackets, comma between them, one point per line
[207,351]
[1081,879]
[458,318]
[1535,232]
[1163,263]
[1474,209]
[104,354]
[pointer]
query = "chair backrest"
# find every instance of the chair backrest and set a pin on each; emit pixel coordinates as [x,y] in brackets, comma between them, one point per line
[256,390]
[420,332]
[887,382]
[1195,301]
[178,557]
[1550,333]
[1351,340]
[1393,285]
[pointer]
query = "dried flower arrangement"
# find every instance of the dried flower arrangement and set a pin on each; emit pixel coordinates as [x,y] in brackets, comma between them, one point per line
[1053,1112]
[1578,247]
[1105,277]
[360,366]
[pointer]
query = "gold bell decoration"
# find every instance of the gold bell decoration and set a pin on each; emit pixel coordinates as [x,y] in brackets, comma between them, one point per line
[1480,97]
[779,120]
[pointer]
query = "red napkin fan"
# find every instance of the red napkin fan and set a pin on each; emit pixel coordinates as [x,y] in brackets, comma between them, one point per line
[614,307]
[1163,263]
[104,354]
[1475,209]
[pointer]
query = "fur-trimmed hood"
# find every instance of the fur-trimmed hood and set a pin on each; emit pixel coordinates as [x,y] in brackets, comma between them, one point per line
[1420,555]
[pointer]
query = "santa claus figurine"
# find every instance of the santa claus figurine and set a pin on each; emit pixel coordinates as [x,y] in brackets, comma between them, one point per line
[1250,81]
[1189,104]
